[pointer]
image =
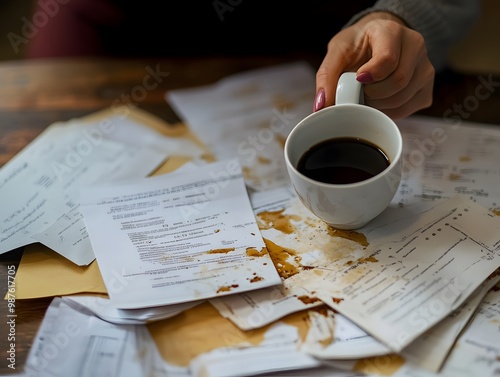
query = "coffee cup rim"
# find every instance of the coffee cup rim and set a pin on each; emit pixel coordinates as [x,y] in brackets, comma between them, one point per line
[392,163]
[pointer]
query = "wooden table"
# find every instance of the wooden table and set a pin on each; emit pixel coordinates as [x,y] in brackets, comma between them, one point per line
[34,94]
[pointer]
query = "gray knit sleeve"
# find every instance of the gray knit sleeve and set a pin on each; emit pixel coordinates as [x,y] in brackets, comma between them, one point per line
[441,22]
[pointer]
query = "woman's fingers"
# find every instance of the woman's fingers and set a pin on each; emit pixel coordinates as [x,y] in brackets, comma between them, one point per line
[389,58]
[414,74]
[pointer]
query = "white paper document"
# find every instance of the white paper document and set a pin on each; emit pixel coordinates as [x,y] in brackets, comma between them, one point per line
[279,351]
[39,187]
[443,159]
[178,237]
[337,338]
[103,308]
[73,343]
[424,268]
[477,352]
[430,350]
[248,116]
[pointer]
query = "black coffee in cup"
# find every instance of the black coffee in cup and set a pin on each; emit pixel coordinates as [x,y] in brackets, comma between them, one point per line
[343,160]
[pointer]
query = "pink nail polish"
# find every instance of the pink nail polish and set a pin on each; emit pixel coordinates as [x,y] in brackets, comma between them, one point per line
[365,77]
[319,101]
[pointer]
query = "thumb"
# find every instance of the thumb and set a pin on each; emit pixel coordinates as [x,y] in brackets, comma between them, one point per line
[327,76]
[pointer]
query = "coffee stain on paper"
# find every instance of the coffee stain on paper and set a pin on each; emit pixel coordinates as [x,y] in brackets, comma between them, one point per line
[303,241]
[284,223]
[277,220]
[464,158]
[337,300]
[496,211]
[308,299]
[280,101]
[263,160]
[227,288]
[202,329]
[253,252]
[256,279]
[281,140]
[349,235]
[280,257]
[369,259]
[221,251]
[385,365]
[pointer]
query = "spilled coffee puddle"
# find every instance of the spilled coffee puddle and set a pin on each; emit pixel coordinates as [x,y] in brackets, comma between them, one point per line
[283,223]
[253,252]
[278,221]
[280,256]
[308,300]
[298,241]
[352,235]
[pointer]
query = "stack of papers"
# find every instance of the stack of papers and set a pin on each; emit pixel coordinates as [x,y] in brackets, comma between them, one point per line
[215,268]
[40,186]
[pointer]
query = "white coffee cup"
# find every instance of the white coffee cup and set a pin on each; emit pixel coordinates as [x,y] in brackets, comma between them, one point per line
[350,205]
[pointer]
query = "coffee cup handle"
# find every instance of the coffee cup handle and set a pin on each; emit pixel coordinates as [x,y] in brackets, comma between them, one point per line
[349,90]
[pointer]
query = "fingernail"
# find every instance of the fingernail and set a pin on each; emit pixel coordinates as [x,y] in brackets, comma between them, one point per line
[365,77]
[319,101]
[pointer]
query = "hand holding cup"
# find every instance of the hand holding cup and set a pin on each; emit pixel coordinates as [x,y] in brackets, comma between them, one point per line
[344,161]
